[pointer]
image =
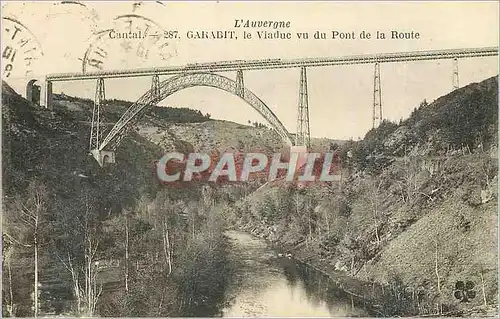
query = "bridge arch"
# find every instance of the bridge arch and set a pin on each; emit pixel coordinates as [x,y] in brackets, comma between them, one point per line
[183,81]
[33,92]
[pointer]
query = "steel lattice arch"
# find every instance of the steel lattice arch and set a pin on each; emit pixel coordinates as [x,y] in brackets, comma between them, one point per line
[183,81]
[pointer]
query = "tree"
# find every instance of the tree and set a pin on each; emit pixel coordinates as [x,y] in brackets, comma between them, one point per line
[375,200]
[25,228]
[165,212]
[7,253]
[423,104]
[408,183]
[77,247]
[483,269]
[438,278]
[334,146]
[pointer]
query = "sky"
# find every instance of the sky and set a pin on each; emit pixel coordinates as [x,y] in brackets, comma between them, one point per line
[340,97]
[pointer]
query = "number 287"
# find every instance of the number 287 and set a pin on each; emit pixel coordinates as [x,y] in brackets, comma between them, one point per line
[170,34]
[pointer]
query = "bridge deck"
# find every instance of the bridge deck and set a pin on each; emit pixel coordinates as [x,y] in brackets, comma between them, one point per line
[235,65]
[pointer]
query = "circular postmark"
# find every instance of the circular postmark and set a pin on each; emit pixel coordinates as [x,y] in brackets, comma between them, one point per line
[73,12]
[67,27]
[20,49]
[132,41]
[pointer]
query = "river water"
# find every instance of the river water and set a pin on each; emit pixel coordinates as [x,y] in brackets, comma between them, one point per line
[265,284]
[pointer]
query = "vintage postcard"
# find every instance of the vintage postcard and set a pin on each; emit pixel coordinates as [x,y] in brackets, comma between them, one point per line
[249,159]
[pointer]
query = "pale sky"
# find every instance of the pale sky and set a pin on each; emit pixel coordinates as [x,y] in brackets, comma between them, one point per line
[340,97]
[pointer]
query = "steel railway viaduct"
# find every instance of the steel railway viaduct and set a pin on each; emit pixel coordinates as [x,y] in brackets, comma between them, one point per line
[206,74]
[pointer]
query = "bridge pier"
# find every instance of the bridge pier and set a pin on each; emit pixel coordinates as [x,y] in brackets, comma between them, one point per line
[455,74]
[303,137]
[155,88]
[377,98]
[240,86]
[95,129]
[49,101]
[103,157]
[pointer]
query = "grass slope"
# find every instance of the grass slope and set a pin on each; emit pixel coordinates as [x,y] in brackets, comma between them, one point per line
[430,181]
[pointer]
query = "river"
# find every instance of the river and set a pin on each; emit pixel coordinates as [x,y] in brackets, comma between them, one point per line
[265,284]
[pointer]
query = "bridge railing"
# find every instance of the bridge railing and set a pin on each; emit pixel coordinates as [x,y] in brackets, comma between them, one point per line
[235,65]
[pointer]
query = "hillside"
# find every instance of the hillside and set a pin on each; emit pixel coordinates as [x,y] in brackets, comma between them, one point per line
[415,213]
[48,176]
[46,153]
[186,129]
